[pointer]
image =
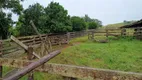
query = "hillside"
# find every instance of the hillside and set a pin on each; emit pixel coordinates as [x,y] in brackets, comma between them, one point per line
[117,25]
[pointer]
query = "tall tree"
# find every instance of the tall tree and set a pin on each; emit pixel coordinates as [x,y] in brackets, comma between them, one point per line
[88,20]
[5,18]
[78,23]
[5,21]
[37,15]
[58,18]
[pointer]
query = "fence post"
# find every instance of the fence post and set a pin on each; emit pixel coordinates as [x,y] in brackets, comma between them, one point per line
[30,57]
[0,56]
[48,39]
[107,33]
[68,37]
[91,35]
[34,40]
[123,32]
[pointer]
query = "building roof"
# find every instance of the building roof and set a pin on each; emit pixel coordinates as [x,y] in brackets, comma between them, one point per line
[133,25]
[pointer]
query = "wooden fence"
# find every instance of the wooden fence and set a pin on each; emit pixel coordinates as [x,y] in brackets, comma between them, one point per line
[74,72]
[110,32]
[59,39]
[138,33]
[55,39]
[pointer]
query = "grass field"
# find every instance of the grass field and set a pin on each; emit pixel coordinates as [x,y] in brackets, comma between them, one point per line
[124,54]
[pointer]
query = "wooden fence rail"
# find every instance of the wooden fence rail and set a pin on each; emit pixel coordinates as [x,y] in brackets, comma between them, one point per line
[85,73]
[32,66]
[59,39]
[55,39]
[109,32]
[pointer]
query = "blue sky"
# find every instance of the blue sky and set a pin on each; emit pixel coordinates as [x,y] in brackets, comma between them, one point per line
[108,11]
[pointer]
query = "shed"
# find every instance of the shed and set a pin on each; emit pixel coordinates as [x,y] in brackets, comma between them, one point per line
[137,26]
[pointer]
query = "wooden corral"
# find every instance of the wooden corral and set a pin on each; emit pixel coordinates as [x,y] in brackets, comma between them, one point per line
[10,47]
[30,56]
[69,72]
[26,44]
[106,32]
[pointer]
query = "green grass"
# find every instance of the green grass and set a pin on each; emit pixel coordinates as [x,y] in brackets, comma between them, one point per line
[124,54]
[117,25]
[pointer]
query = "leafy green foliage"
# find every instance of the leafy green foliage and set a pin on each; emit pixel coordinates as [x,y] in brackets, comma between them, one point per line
[13,5]
[92,25]
[58,18]
[5,18]
[5,21]
[78,23]
[36,14]
[52,19]
[88,20]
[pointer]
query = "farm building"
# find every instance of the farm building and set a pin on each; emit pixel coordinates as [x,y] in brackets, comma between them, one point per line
[137,26]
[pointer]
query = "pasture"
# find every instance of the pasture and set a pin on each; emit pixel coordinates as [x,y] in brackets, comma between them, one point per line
[123,54]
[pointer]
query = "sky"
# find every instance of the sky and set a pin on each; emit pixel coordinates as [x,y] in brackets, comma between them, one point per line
[108,11]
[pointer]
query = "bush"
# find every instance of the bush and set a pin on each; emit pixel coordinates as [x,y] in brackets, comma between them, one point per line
[78,24]
[92,25]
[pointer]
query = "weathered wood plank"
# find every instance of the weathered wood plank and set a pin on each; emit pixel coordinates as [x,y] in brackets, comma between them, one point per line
[23,45]
[85,73]
[32,66]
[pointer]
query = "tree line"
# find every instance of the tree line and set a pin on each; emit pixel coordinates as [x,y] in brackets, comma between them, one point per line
[50,19]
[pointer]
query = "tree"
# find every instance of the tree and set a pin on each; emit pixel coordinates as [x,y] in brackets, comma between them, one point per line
[5,21]
[98,22]
[88,20]
[92,25]
[58,18]
[5,18]
[78,23]
[37,15]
